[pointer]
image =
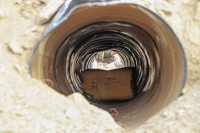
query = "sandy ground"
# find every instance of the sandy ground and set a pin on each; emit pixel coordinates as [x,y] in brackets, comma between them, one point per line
[182,116]
[25,104]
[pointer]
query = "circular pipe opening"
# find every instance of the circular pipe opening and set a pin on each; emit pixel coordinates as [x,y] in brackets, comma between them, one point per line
[139,39]
[133,45]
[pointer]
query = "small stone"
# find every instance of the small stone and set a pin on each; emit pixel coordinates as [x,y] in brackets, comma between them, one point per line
[48,11]
[19,68]
[17,2]
[166,12]
[163,8]
[194,34]
[44,1]
[165,114]
[195,60]
[15,48]
[21,113]
[28,2]
[33,29]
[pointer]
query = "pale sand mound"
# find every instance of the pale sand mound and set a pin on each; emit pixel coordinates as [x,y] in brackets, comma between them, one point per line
[27,105]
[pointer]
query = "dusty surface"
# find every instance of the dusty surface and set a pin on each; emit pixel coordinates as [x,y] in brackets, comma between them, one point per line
[182,116]
[26,105]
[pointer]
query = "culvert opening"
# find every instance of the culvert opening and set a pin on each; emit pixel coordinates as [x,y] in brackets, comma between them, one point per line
[143,43]
[111,45]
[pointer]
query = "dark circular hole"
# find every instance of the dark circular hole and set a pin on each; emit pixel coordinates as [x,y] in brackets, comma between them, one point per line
[134,47]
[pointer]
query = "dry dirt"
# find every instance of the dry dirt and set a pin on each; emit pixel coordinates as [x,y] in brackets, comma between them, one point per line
[27,105]
[182,116]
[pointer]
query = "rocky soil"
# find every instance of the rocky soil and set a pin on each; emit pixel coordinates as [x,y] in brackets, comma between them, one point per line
[28,105]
